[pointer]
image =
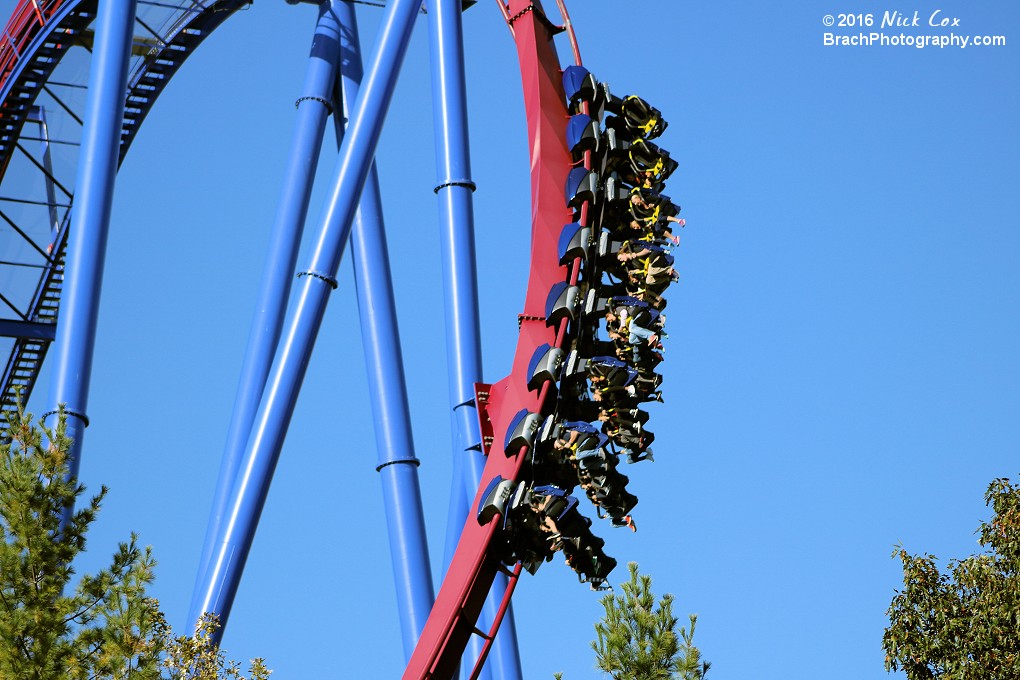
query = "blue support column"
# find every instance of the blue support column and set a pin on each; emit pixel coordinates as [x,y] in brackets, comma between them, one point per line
[313,108]
[90,217]
[456,219]
[398,466]
[266,439]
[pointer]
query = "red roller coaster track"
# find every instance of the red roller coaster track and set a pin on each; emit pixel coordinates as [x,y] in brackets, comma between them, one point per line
[475,564]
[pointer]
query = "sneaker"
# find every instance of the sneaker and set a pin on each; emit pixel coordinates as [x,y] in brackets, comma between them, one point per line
[628,521]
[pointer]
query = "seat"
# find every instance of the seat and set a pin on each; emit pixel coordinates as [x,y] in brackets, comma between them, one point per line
[582,135]
[562,303]
[544,365]
[582,185]
[574,242]
[494,499]
[647,157]
[641,117]
[581,87]
[578,85]
[614,189]
[521,432]
[616,371]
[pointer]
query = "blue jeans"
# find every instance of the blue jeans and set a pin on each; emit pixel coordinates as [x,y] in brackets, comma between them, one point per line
[638,337]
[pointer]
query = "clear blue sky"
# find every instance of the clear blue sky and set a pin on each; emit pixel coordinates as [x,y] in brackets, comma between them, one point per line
[842,368]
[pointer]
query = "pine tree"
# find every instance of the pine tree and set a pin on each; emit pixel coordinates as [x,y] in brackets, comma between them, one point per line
[197,658]
[48,629]
[964,623]
[103,626]
[638,639]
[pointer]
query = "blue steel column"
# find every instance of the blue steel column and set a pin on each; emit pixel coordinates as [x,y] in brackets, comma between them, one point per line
[90,216]
[277,406]
[313,108]
[456,219]
[380,335]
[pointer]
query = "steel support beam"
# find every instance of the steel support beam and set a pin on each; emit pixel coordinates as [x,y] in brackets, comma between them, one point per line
[456,219]
[313,108]
[30,330]
[90,218]
[380,335]
[266,439]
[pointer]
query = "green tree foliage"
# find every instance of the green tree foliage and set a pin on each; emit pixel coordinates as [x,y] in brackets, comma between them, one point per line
[964,623]
[197,658]
[638,639]
[103,626]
